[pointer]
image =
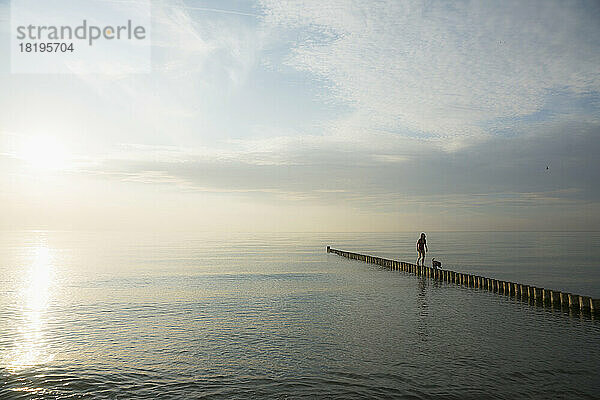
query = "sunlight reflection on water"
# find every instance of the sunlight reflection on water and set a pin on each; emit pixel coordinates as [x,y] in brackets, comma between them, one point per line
[30,347]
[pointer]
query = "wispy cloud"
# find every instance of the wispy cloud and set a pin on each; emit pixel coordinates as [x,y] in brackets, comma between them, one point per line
[442,70]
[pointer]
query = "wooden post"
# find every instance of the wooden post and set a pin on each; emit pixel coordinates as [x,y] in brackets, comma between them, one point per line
[573,300]
[584,303]
[554,298]
[564,299]
[536,293]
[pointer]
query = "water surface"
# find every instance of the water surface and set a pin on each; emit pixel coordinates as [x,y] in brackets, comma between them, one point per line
[105,315]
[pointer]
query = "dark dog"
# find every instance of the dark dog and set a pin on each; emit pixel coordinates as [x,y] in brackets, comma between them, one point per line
[436,264]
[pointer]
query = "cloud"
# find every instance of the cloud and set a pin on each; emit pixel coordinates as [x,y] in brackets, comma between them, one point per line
[442,70]
[501,172]
[383,108]
[199,57]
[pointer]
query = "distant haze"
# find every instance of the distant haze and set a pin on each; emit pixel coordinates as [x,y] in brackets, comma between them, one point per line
[318,116]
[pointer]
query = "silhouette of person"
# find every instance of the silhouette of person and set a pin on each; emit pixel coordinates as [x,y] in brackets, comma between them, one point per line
[421,249]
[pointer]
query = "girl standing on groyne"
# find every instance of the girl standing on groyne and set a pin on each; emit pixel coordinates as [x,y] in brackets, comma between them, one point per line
[421,249]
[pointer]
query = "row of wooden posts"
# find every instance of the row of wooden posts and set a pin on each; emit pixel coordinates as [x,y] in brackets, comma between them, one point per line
[539,295]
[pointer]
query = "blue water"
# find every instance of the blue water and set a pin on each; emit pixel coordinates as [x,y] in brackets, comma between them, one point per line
[141,315]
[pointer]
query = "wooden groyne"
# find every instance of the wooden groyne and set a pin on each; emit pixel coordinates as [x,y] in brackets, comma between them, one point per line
[539,296]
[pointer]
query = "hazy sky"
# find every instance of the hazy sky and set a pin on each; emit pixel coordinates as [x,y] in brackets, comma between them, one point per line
[318,116]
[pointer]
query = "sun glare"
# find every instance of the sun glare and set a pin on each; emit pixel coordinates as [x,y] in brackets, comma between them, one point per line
[43,153]
[30,344]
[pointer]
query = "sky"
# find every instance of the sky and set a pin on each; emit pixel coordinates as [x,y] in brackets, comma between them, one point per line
[281,115]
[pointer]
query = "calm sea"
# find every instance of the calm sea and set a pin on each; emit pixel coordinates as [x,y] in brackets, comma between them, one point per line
[107,315]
